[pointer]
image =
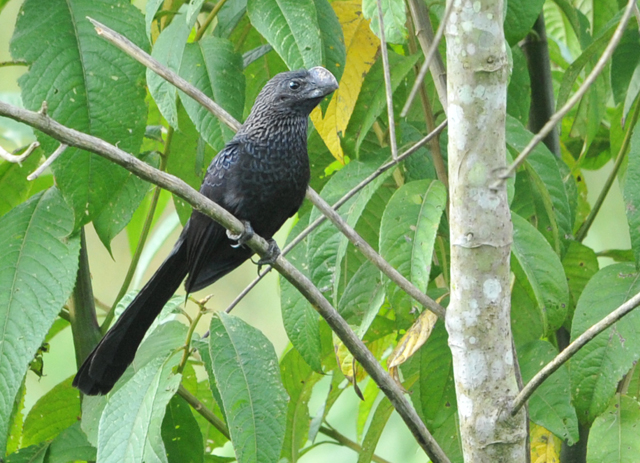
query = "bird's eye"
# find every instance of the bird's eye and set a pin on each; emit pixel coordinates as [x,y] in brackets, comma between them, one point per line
[294,85]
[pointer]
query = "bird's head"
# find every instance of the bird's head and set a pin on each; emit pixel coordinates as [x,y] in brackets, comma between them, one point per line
[296,91]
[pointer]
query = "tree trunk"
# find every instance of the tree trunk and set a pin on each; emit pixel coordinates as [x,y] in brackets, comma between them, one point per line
[481,233]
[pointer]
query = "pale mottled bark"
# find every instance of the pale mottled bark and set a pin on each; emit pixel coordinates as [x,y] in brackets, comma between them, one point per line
[478,316]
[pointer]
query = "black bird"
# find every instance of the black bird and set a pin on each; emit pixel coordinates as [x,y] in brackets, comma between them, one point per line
[261,177]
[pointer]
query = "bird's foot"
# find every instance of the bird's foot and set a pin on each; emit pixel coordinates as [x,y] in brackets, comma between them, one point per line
[271,256]
[243,237]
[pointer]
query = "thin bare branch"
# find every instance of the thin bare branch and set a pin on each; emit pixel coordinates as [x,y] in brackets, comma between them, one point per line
[316,223]
[210,17]
[15,62]
[571,349]
[557,117]
[203,204]
[143,57]
[203,411]
[427,61]
[424,32]
[38,172]
[373,256]
[387,84]
[18,158]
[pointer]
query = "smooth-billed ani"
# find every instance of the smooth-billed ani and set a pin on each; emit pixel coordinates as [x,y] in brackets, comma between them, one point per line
[261,177]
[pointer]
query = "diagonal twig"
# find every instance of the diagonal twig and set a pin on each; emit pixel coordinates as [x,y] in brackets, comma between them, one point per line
[18,158]
[146,59]
[38,172]
[571,349]
[557,117]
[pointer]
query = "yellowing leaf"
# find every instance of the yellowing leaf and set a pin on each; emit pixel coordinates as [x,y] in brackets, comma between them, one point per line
[413,339]
[362,46]
[545,446]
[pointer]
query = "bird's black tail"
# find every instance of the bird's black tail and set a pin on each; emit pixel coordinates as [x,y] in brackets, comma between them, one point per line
[115,352]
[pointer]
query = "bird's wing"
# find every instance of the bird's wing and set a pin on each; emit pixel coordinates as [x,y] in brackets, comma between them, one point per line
[209,251]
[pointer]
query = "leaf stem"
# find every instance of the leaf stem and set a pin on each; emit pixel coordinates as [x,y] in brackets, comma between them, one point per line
[387,83]
[204,411]
[345,441]
[210,17]
[192,326]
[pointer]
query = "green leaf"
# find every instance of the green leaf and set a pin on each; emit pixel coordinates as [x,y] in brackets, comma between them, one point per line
[130,426]
[298,379]
[394,17]
[188,159]
[14,186]
[365,406]
[335,54]
[134,228]
[546,183]
[181,434]
[521,14]
[543,272]
[631,193]
[378,423]
[214,67]
[448,436]
[519,90]
[614,434]
[624,62]
[37,275]
[71,445]
[580,264]
[407,235]
[33,454]
[291,27]
[300,319]
[550,405]
[433,394]
[372,99]
[326,249]
[362,297]
[246,371]
[89,85]
[597,367]
[168,50]
[126,198]
[53,412]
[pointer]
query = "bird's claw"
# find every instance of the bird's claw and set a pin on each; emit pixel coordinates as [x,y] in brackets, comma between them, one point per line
[243,237]
[271,255]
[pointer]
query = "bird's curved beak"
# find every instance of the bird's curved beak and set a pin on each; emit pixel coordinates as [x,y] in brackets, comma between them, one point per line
[324,82]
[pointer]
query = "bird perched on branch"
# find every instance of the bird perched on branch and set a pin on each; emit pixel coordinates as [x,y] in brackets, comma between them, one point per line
[261,177]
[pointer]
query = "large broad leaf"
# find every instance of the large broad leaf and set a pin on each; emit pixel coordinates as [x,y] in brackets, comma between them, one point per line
[169,49]
[550,405]
[213,66]
[335,54]
[540,271]
[580,264]
[53,412]
[631,192]
[433,394]
[378,423]
[300,319]
[291,27]
[394,17]
[521,14]
[130,426]
[71,445]
[407,235]
[14,186]
[181,433]
[298,379]
[519,89]
[246,372]
[361,48]
[326,249]
[38,271]
[545,178]
[614,434]
[598,366]
[372,98]
[89,85]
